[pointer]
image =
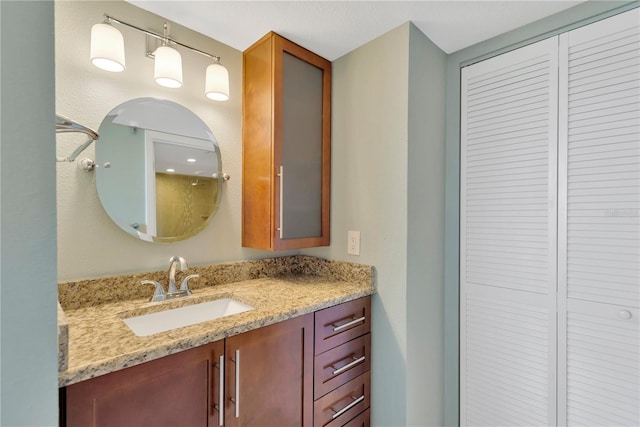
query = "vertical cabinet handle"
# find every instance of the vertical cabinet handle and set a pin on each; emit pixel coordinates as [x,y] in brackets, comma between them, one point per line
[281,175]
[236,398]
[221,391]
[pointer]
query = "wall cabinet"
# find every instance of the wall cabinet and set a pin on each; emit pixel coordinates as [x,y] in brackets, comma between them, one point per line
[262,377]
[286,140]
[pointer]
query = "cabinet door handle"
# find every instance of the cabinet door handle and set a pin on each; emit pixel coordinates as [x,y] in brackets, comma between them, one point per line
[221,391]
[281,175]
[236,397]
[350,365]
[346,408]
[346,325]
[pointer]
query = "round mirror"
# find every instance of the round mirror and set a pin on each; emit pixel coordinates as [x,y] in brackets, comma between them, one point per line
[159,173]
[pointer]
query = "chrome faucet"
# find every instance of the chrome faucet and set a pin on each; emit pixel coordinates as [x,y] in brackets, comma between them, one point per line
[172,292]
[173,261]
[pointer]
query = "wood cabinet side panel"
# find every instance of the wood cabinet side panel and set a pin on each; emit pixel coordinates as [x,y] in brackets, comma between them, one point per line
[257,155]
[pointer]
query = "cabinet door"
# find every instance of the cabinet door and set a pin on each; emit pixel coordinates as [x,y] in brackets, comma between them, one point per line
[508,238]
[172,391]
[269,375]
[599,223]
[302,158]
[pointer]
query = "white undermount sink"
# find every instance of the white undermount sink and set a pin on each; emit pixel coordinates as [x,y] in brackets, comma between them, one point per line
[153,323]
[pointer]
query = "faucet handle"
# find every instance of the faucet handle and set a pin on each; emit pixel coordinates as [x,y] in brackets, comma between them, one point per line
[158,294]
[184,286]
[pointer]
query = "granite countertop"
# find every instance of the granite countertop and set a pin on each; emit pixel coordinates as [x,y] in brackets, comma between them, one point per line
[98,342]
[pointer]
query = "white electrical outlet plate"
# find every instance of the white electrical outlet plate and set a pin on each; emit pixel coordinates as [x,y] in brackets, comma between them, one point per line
[353,242]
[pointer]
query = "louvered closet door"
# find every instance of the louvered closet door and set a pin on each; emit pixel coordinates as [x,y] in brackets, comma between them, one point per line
[508,238]
[599,224]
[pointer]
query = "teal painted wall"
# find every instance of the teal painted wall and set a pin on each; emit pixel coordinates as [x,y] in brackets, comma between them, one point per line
[369,194]
[425,232]
[388,183]
[28,291]
[564,21]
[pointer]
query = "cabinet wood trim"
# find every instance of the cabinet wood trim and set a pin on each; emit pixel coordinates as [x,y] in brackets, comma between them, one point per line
[362,420]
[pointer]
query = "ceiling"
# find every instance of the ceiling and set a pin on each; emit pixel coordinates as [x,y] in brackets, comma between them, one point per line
[333,28]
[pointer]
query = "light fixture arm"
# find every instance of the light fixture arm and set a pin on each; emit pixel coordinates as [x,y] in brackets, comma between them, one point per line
[165,38]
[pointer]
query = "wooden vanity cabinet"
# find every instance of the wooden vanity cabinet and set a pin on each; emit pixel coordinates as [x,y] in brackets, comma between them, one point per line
[286,146]
[311,370]
[267,380]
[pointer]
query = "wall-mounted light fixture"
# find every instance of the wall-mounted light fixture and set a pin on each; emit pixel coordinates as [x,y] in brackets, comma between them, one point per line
[107,53]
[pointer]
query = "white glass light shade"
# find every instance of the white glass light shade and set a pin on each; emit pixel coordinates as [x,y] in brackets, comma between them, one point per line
[217,83]
[168,67]
[107,48]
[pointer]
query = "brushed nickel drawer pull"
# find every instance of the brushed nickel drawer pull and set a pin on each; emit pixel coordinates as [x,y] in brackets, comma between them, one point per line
[346,408]
[355,362]
[346,325]
[281,228]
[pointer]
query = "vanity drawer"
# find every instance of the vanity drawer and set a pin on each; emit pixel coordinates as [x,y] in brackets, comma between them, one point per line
[362,420]
[344,403]
[341,323]
[341,365]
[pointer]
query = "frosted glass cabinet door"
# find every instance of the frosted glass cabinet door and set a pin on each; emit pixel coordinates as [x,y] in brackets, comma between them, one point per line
[301,169]
[599,223]
[508,239]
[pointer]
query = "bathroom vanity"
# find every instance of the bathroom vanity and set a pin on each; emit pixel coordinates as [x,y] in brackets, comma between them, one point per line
[301,356]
